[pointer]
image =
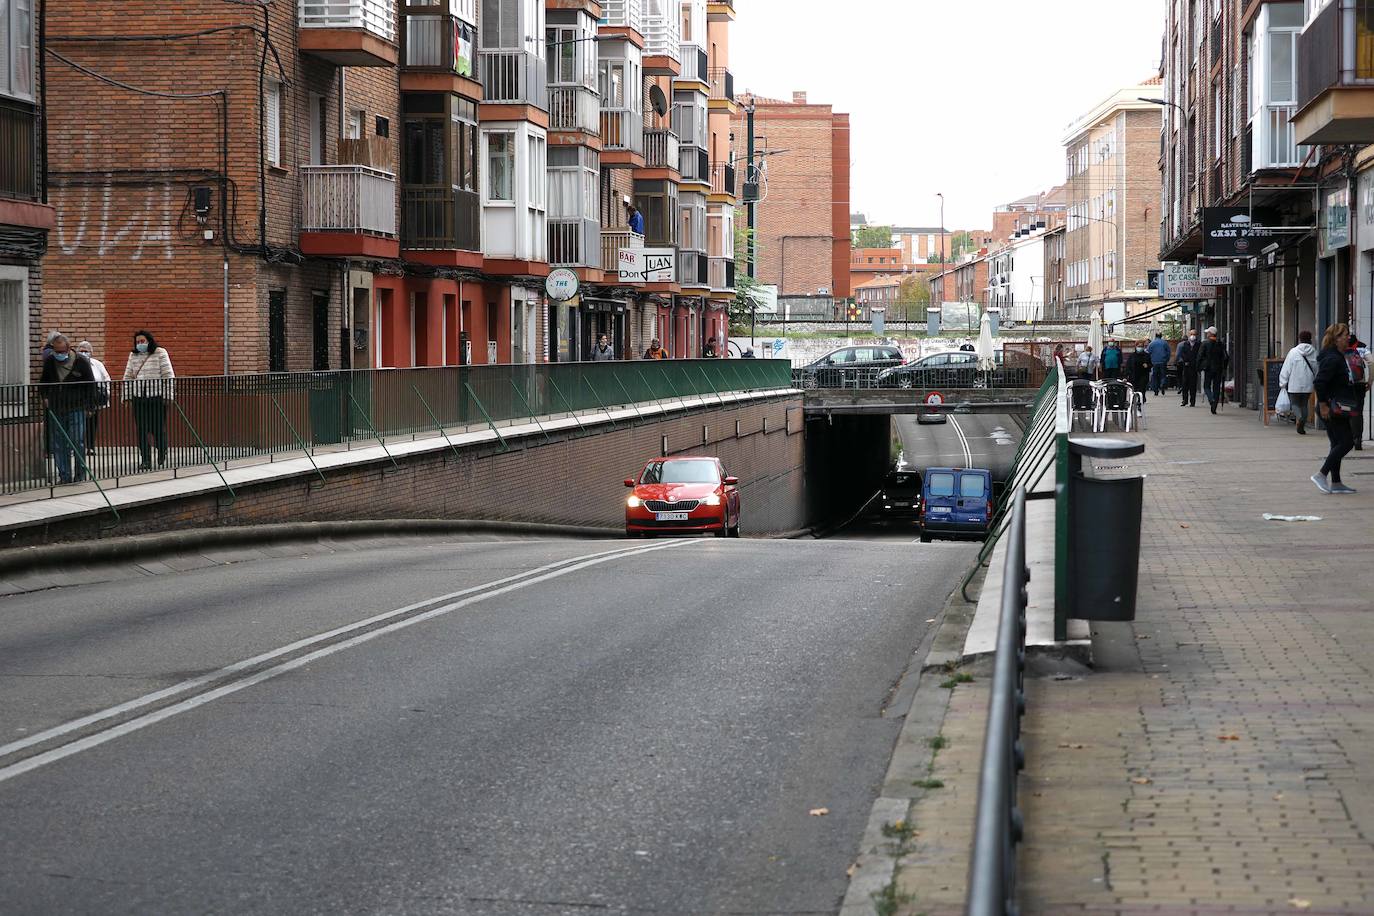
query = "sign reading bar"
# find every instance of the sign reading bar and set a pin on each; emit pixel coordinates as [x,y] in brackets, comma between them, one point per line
[648,265]
[1214,276]
[1237,232]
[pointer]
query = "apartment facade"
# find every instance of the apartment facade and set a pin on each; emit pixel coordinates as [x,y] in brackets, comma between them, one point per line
[802,243]
[966,282]
[1111,154]
[1016,276]
[388,184]
[26,219]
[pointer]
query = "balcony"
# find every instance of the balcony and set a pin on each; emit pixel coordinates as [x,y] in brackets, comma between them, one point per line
[575,243]
[722,85]
[1336,75]
[513,78]
[623,14]
[441,219]
[574,108]
[694,63]
[612,240]
[1269,141]
[723,179]
[720,10]
[622,130]
[660,149]
[349,33]
[722,274]
[348,210]
[443,44]
[18,159]
[693,268]
[694,163]
[662,38]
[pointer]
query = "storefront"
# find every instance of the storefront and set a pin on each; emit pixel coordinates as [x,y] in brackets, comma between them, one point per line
[1333,256]
[1363,219]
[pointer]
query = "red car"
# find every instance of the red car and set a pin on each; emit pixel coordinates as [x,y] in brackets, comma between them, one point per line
[687,495]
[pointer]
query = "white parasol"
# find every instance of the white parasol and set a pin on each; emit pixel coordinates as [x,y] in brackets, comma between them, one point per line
[1095,333]
[984,346]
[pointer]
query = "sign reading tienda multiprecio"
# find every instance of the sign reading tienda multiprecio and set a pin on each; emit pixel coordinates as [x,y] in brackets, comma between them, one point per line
[1237,232]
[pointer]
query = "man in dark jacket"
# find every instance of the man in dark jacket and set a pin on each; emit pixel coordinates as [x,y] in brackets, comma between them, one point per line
[1187,369]
[1159,363]
[69,391]
[1139,367]
[1212,358]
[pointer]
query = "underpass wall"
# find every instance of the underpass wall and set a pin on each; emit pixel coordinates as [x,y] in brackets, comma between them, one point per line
[846,459]
[569,479]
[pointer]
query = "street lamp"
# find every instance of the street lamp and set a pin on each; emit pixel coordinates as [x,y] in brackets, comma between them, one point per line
[944,257]
[1163,102]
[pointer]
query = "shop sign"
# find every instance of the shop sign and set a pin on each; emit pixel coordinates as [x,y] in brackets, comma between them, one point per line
[648,265]
[1214,276]
[1237,232]
[561,284]
[1181,281]
[1335,220]
[1367,209]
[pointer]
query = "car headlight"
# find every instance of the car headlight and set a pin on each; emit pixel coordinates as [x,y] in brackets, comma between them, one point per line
[634,502]
[712,500]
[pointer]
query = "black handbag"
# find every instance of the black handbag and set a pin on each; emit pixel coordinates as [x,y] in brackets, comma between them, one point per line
[1342,408]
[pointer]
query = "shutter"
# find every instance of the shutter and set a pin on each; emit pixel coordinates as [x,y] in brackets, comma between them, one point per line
[272,122]
[5,52]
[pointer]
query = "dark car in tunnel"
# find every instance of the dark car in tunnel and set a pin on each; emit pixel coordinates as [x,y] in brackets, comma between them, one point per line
[900,496]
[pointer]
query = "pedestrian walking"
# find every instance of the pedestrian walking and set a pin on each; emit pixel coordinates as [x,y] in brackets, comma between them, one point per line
[1059,358]
[1159,363]
[1186,360]
[603,351]
[148,379]
[68,391]
[102,393]
[1336,404]
[1139,368]
[655,351]
[1296,377]
[1111,359]
[1359,378]
[1087,363]
[1212,359]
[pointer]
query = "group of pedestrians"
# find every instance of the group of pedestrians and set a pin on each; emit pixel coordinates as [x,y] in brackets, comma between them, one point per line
[604,352]
[1147,366]
[76,387]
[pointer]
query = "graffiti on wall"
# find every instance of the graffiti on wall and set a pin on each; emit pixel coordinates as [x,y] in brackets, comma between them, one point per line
[113,219]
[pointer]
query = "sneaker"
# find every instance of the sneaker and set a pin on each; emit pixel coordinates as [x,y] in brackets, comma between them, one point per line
[1321,483]
[1341,489]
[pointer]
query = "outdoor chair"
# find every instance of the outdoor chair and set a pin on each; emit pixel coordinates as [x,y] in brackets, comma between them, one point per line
[1117,402]
[1082,395]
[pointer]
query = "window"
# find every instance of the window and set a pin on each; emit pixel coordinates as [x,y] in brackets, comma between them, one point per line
[276,330]
[353,127]
[271,121]
[941,484]
[972,486]
[1218,124]
[538,174]
[500,166]
[14,325]
[501,25]
[16,48]
[1282,59]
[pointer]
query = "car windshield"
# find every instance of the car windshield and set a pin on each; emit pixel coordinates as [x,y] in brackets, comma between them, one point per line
[680,471]
[972,486]
[903,481]
[941,484]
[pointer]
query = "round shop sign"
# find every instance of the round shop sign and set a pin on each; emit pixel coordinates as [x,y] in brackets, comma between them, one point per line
[934,398]
[561,284]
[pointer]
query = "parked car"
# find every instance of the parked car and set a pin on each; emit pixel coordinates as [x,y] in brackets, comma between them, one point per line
[959,369]
[849,367]
[683,495]
[900,496]
[955,502]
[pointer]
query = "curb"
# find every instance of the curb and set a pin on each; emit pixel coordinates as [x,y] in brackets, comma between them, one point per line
[143,546]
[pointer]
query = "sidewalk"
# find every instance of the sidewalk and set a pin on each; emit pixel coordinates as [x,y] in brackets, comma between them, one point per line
[1220,757]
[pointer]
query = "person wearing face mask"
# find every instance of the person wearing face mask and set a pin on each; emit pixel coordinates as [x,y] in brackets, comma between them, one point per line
[148,383]
[68,390]
[102,393]
[1186,358]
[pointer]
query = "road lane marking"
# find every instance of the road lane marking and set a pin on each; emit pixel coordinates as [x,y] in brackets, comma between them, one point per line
[963,442]
[468,596]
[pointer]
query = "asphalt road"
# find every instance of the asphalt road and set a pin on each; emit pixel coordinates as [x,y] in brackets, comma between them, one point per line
[479,727]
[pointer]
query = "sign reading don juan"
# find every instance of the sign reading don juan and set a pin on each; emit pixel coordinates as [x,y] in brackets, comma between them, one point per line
[1236,232]
[648,265]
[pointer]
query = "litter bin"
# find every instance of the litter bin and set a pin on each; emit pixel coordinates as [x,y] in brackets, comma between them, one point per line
[1104,533]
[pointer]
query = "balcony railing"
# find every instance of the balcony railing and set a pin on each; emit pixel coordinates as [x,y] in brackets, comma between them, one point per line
[1336,49]
[722,273]
[574,108]
[693,268]
[612,240]
[723,179]
[18,153]
[694,62]
[622,129]
[441,218]
[348,198]
[694,163]
[375,16]
[1271,140]
[662,30]
[623,13]
[513,77]
[660,149]
[574,242]
[722,84]
[433,43]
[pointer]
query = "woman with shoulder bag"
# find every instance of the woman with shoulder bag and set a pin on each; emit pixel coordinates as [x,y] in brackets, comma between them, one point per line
[148,381]
[1336,403]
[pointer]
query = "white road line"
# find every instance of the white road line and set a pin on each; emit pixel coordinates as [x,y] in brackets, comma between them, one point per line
[963,442]
[491,589]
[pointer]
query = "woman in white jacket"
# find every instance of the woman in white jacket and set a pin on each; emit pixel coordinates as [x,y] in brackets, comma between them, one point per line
[148,383]
[102,393]
[1296,376]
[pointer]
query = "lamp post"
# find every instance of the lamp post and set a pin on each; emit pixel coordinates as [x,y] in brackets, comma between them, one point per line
[944,250]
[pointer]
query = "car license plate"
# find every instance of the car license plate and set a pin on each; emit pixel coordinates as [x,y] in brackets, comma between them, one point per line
[671,516]
[900,504]
[939,508]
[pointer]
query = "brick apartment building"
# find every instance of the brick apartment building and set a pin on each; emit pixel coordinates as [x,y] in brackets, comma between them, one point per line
[802,242]
[1042,207]
[372,183]
[1113,194]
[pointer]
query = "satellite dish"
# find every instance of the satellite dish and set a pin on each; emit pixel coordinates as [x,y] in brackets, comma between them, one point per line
[658,100]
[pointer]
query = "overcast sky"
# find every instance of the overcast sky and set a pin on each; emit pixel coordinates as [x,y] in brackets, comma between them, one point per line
[969,97]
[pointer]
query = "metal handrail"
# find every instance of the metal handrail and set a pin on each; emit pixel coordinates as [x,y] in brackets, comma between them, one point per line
[997,828]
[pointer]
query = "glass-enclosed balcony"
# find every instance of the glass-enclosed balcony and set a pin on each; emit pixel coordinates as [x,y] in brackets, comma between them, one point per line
[662,28]
[623,13]
[513,78]
[348,33]
[622,129]
[1335,74]
[440,43]
[574,242]
[660,149]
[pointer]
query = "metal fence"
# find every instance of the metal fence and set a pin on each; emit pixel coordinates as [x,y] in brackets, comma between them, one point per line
[108,434]
[1016,375]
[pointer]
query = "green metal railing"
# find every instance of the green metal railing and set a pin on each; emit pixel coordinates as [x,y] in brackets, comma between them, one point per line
[199,422]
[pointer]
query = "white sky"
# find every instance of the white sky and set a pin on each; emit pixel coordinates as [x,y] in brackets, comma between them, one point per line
[1012,75]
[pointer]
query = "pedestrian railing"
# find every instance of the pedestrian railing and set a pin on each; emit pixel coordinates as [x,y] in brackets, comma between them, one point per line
[924,378]
[115,433]
[997,827]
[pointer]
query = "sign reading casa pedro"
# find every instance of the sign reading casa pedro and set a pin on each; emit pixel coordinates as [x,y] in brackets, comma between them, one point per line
[648,265]
[561,284]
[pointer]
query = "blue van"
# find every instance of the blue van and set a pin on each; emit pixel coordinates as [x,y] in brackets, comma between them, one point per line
[955,502]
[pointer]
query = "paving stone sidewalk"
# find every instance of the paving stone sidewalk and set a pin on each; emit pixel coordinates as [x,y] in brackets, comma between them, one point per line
[1220,757]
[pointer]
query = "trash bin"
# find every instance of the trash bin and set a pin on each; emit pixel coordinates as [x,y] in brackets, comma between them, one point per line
[1104,533]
